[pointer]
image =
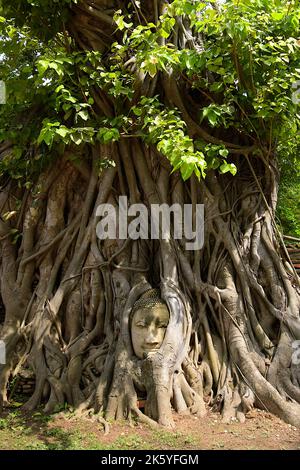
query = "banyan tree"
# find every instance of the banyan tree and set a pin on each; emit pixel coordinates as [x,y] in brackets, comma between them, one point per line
[183,103]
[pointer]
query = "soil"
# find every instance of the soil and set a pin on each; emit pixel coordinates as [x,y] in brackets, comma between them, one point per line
[261,431]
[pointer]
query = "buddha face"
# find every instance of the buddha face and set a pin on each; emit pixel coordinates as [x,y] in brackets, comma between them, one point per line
[148,327]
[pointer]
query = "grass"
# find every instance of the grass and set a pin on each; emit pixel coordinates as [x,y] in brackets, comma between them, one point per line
[38,431]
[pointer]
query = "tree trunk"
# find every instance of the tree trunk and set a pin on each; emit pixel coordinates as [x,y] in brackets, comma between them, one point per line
[234,304]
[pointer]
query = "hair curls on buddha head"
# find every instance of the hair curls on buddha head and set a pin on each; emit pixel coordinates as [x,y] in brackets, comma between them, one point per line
[149,299]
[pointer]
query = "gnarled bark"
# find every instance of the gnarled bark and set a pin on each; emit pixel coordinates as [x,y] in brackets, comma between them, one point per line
[234,308]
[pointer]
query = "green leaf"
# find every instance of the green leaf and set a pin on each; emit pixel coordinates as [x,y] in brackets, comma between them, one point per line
[42,66]
[137,111]
[186,171]
[277,16]
[47,135]
[83,114]
[106,135]
[76,137]
[151,69]
[212,118]
[228,167]
[62,131]
[224,152]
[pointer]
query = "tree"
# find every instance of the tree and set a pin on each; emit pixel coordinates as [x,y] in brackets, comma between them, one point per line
[178,101]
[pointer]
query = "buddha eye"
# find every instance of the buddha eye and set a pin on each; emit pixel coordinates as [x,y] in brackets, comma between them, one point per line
[140,324]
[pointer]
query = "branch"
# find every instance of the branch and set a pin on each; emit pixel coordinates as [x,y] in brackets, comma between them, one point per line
[174,97]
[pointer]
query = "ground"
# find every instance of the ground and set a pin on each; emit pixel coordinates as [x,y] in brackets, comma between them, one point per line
[38,431]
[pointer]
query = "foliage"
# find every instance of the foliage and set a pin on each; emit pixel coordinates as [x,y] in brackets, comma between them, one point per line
[46,17]
[20,118]
[244,68]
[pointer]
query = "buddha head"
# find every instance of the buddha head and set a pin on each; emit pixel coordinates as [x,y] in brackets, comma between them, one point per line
[149,320]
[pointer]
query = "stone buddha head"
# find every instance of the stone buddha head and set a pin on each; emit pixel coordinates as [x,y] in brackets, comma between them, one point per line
[149,320]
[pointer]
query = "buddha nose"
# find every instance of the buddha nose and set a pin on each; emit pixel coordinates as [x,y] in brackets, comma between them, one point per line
[152,337]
